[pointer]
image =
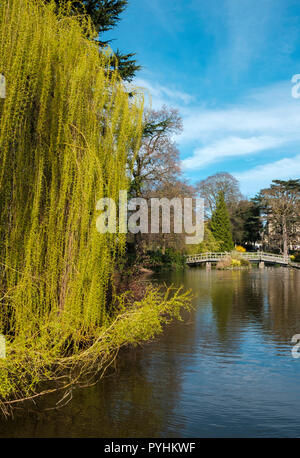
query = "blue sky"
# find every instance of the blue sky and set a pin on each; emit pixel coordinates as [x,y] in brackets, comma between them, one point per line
[227,66]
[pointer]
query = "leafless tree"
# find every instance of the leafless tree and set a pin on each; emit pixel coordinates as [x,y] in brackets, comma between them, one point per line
[210,188]
[281,210]
[157,161]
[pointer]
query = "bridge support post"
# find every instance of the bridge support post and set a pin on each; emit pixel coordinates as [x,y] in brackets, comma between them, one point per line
[208,266]
[261,265]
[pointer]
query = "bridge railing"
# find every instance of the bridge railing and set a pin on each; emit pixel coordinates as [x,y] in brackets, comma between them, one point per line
[208,256]
[256,256]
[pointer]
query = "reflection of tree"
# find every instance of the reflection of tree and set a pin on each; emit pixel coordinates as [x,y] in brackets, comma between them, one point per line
[222,301]
[282,317]
[223,305]
[270,298]
[236,300]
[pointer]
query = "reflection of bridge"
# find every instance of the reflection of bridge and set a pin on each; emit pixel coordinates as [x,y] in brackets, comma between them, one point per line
[260,257]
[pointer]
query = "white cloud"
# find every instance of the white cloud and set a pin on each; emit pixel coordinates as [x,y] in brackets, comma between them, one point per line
[249,119]
[262,176]
[159,95]
[227,148]
[264,120]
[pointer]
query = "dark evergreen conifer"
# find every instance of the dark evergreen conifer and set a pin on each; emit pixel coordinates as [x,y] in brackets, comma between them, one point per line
[220,224]
[105,15]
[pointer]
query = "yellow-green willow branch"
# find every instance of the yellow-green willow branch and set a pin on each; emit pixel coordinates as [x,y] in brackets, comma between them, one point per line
[67,128]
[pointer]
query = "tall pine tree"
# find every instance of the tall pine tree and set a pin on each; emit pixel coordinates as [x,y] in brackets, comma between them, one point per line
[220,224]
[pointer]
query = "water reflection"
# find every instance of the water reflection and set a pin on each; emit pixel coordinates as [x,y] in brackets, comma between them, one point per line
[226,371]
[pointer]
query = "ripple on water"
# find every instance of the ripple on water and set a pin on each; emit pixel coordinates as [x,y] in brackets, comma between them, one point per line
[227,371]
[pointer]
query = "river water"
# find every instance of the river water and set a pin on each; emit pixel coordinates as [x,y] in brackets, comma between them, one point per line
[226,371]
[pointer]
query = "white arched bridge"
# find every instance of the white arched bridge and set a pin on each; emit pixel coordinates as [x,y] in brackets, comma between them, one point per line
[257,257]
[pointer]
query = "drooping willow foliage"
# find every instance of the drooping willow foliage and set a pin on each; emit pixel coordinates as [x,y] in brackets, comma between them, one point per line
[66,128]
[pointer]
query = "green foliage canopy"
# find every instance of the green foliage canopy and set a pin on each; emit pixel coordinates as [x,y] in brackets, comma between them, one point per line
[56,162]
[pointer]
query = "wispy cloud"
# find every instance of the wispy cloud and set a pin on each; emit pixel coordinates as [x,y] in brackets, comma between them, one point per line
[229,147]
[250,26]
[247,32]
[264,120]
[159,95]
[166,14]
[270,110]
[261,176]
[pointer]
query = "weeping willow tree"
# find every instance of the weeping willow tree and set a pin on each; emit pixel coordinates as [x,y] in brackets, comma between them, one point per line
[67,127]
